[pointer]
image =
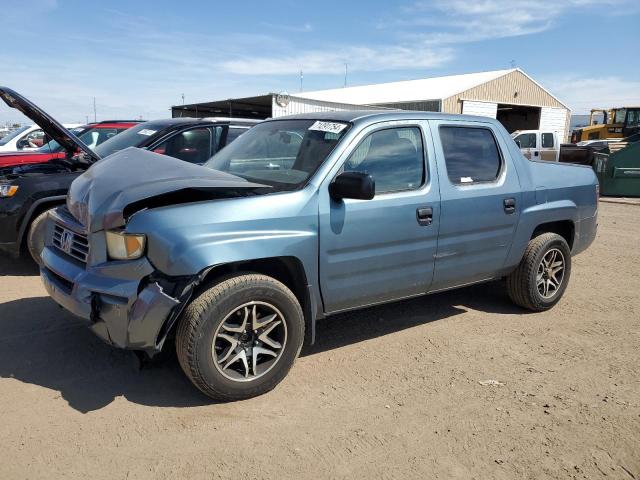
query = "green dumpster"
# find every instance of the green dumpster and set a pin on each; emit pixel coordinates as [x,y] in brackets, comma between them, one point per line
[619,172]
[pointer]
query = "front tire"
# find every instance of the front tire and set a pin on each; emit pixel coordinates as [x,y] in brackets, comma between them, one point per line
[240,338]
[543,273]
[35,237]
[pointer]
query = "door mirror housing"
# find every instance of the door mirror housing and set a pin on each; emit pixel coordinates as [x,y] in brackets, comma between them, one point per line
[356,185]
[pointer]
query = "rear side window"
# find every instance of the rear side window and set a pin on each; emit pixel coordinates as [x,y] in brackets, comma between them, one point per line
[393,157]
[547,140]
[193,146]
[234,133]
[471,154]
[526,140]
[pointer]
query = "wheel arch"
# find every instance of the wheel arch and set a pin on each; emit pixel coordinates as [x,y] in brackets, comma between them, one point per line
[565,228]
[288,270]
[36,209]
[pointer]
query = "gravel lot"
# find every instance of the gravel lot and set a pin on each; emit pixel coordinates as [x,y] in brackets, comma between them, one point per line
[390,392]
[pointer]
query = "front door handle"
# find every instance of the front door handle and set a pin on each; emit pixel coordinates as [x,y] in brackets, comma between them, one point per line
[509,205]
[424,216]
[535,153]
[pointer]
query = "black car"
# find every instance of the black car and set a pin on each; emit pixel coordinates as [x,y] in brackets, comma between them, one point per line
[27,192]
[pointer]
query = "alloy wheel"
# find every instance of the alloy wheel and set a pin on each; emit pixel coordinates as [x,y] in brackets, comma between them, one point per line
[249,341]
[550,273]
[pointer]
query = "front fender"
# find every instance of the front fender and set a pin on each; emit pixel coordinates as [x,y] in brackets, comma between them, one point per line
[190,238]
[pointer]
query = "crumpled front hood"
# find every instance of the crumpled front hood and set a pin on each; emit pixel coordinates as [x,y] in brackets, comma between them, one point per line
[99,197]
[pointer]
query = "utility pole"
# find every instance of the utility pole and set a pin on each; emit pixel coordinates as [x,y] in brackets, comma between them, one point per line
[87,118]
[301,78]
[95,116]
[183,99]
[346,72]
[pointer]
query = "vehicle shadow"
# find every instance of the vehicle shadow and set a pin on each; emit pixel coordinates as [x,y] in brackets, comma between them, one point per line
[42,344]
[352,327]
[17,267]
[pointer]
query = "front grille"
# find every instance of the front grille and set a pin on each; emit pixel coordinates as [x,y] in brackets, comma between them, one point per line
[72,243]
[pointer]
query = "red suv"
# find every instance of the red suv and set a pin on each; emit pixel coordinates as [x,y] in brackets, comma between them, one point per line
[92,134]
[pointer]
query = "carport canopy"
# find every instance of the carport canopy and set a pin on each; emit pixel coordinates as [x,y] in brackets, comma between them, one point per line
[258,107]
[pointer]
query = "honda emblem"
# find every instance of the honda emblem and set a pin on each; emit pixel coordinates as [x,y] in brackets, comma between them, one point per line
[66,241]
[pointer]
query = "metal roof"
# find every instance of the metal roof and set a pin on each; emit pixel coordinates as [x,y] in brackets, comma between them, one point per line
[435,88]
[372,116]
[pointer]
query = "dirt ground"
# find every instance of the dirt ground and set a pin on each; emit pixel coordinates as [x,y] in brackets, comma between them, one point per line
[390,392]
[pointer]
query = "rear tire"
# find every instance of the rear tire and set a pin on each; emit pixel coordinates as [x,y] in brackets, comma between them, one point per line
[542,276]
[240,338]
[35,237]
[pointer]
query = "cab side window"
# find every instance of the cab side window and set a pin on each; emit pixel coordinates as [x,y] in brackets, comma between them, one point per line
[471,154]
[547,140]
[394,157]
[35,139]
[193,146]
[526,140]
[234,132]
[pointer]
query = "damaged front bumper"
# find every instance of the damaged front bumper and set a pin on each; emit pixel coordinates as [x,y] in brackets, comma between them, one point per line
[121,302]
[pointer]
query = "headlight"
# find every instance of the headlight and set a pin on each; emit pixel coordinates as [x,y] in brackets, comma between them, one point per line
[125,246]
[7,190]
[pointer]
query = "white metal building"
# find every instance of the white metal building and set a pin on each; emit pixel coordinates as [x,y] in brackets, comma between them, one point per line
[511,96]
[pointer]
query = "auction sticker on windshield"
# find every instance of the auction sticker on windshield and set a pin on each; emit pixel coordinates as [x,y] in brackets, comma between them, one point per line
[147,132]
[330,127]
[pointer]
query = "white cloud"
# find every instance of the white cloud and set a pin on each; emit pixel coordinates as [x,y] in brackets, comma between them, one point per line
[332,60]
[303,28]
[582,94]
[460,21]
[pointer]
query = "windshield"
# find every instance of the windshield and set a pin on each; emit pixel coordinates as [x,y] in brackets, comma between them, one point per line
[282,153]
[620,114]
[12,135]
[133,137]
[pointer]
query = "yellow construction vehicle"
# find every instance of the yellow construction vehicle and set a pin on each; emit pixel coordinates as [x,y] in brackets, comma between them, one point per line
[618,122]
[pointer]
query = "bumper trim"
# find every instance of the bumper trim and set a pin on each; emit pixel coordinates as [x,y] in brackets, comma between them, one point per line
[110,299]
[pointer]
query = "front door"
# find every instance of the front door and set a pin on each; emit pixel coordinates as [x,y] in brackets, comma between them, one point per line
[528,143]
[372,251]
[480,202]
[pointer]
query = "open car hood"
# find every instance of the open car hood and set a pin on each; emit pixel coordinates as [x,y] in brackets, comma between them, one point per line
[134,179]
[50,125]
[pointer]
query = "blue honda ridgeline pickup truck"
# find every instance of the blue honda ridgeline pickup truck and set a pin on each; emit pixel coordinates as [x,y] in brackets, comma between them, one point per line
[303,217]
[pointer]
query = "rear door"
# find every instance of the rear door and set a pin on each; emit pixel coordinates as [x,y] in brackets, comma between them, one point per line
[548,147]
[480,202]
[372,251]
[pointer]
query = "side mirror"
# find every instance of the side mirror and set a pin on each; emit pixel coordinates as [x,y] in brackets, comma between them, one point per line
[356,185]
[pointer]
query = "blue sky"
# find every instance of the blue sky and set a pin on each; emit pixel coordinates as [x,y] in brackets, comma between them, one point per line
[138,57]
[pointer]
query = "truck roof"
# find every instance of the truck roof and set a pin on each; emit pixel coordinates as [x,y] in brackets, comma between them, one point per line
[371,116]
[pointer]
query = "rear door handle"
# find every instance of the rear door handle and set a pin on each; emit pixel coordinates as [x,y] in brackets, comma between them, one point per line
[509,205]
[424,216]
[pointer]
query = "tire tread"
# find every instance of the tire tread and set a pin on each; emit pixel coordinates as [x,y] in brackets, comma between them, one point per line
[196,314]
